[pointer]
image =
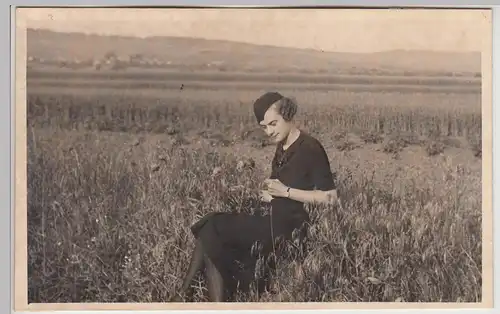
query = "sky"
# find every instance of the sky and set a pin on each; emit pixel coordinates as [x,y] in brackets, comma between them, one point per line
[346,30]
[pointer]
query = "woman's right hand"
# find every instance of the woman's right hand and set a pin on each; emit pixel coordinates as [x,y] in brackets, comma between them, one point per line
[265,196]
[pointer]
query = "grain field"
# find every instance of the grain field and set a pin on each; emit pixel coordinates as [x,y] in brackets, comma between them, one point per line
[116,177]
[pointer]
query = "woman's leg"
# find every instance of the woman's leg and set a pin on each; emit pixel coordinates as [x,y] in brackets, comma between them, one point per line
[214,281]
[196,264]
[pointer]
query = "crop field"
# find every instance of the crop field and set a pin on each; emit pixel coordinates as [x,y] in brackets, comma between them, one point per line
[116,176]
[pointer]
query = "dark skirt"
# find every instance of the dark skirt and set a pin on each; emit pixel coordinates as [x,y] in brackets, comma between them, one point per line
[228,239]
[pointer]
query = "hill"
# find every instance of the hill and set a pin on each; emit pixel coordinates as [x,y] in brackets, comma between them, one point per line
[236,56]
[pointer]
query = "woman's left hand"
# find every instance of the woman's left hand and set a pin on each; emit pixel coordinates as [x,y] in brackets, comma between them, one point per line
[276,188]
[265,197]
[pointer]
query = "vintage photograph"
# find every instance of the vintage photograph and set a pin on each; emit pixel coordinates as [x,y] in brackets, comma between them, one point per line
[267,155]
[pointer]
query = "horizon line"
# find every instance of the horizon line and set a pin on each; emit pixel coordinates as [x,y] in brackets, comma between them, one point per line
[130,36]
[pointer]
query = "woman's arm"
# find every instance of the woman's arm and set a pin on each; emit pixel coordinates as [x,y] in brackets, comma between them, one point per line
[278,189]
[315,196]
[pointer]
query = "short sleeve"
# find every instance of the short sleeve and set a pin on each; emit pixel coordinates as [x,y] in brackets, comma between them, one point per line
[322,176]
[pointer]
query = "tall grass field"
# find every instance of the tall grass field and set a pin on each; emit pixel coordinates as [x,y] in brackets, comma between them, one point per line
[116,176]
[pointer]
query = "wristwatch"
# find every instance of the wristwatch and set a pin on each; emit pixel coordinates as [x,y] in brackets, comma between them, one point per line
[288,192]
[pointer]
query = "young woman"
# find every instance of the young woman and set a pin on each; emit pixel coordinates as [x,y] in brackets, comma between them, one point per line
[300,174]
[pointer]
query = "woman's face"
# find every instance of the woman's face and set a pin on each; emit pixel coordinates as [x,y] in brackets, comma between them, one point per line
[275,126]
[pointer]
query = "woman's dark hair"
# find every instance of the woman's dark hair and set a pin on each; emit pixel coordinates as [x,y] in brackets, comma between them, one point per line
[287,108]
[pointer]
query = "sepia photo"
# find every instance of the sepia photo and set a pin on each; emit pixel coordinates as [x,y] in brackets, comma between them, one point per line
[188,157]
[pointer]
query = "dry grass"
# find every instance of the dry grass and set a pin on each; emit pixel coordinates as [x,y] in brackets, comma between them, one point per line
[114,183]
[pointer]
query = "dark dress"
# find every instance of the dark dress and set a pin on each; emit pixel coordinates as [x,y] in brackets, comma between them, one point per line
[228,237]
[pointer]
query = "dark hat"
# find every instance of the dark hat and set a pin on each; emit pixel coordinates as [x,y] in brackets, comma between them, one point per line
[262,104]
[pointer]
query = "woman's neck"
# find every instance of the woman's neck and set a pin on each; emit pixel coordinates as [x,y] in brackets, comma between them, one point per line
[293,135]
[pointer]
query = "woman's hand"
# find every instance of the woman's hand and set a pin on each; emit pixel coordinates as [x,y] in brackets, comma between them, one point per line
[276,188]
[265,196]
